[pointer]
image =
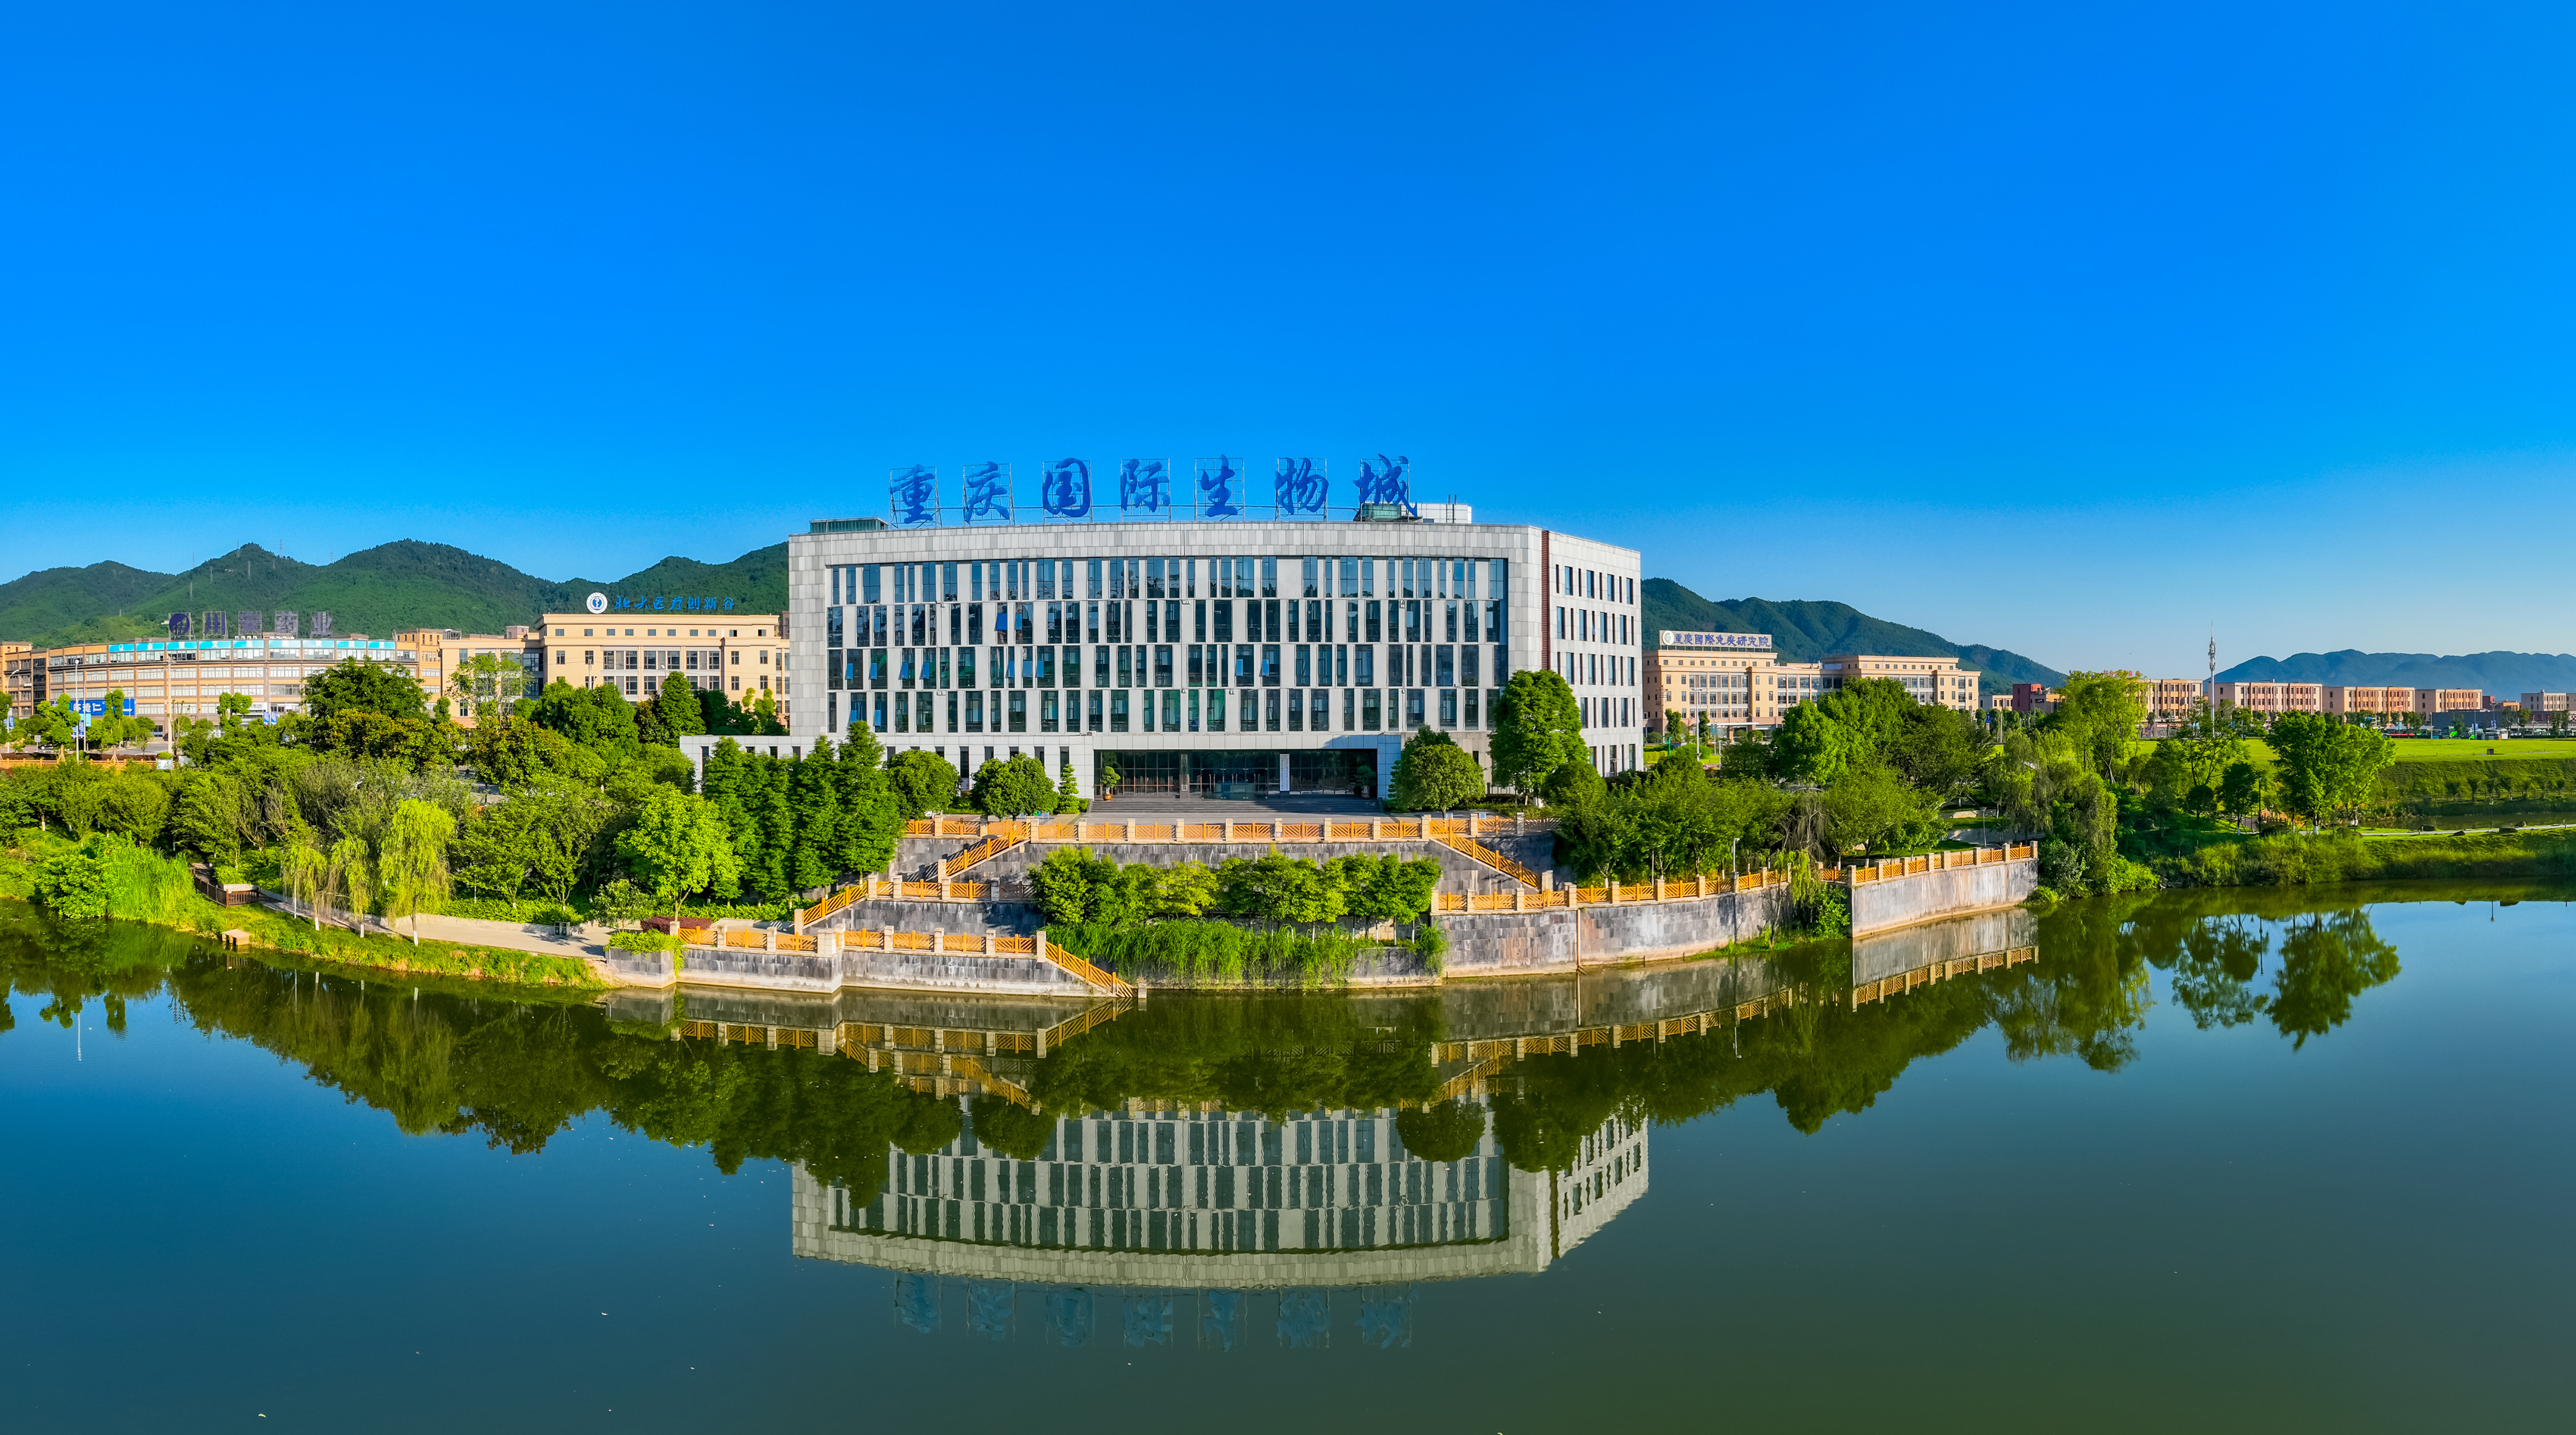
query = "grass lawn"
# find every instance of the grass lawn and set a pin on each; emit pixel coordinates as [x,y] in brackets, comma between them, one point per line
[2435,749]
[2454,749]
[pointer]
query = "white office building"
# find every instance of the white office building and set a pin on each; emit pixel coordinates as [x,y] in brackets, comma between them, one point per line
[1267,655]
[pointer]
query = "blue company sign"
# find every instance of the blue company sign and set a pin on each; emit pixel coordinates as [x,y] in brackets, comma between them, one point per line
[1672,639]
[97,707]
[657,603]
[1219,487]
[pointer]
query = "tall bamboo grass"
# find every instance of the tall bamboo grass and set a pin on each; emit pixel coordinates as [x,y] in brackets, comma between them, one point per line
[1213,953]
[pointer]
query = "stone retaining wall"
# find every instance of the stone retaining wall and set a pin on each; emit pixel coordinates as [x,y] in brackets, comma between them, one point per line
[1504,944]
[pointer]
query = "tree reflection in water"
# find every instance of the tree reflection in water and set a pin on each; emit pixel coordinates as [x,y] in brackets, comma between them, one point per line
[517,1070]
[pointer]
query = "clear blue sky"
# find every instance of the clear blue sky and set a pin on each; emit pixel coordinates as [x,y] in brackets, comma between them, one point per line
[2071,329]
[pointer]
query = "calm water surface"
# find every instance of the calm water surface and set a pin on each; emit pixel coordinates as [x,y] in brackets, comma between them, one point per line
[2245,1160]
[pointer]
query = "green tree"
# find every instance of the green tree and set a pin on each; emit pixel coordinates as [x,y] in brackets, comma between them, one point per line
[1065,884]
[544,837]
[50,724]
[2327,766]
[1068,793]
[72,881]
[871,815]
[485,685]
[216,813]
[682,714]
[620,901]
[411,866]
[1013,787]
[1538,728]
[358,685]
[2100,712]
[1814,746]
[1278,888]
[815,793]
[135,805]
[345,872]
[1575,783]
[2240,790]
[923,781]
[679,845]
[1433,774]
[599,719]
[1385,888]
[114,728]
[1875,808]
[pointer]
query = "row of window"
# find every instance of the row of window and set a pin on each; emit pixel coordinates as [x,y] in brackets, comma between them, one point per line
[1213,665]
[1593,583]
[656,660]
[1596,670]
[635,685]
[1168,577]
[1170,710]
[1404,620]
[1582,625]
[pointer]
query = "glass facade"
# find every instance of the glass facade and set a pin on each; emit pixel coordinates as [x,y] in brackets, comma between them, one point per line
[1170,644]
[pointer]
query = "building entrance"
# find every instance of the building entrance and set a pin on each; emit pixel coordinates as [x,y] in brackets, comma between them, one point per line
[1237,773]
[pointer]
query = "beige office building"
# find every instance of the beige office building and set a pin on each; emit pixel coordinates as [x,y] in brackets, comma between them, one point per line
[190,678]
[2170,698]
[1931,681]
[740,655]
[444,651]
[2271,699]
[2433,702]
[1729,679]
[22,677]
[1737,680]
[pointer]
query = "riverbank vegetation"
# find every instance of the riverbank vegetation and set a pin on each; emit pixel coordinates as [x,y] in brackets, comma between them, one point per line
[516,1071]
[1293,919]
[565,805]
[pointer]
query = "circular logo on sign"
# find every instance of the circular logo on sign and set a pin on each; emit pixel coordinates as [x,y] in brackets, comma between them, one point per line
[599,602]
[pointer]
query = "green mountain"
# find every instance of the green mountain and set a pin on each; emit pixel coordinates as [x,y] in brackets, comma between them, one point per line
[1803,630]
[2498,674]
[395,585]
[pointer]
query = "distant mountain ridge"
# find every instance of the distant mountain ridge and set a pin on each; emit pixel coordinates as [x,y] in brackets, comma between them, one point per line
[2497,674]
[405,584]
[1803,630]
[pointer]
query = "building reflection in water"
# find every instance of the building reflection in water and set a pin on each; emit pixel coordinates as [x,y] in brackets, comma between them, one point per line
[1202,1226]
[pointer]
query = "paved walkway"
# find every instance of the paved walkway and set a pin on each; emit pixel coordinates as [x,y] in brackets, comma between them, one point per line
[464,931]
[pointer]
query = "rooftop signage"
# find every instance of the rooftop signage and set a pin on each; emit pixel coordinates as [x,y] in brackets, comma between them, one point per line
[657,603]
[1671,639]
[1066,491]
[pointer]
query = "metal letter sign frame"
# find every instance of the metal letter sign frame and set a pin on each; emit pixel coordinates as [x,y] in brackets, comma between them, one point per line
[1389,480]
[1220,482]
[1065,491]
[912,496]
[1300,488]
[1145,486]
[987,498]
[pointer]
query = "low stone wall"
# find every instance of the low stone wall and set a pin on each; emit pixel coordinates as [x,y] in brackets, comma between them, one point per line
[1000,919]
[1501,944]
[1901,901]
